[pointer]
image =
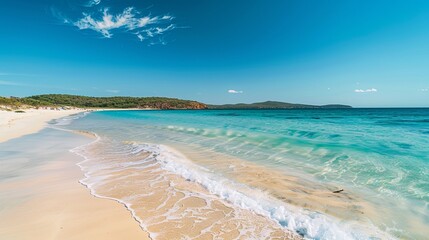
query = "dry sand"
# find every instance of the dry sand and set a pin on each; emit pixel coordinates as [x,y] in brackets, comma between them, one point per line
[14,125]
[48,202]
[53,205]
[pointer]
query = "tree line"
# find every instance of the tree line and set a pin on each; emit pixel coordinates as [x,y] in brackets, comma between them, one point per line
[58,100]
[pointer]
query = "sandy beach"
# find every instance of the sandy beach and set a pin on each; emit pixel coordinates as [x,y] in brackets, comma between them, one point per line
[44,199]
[17,124]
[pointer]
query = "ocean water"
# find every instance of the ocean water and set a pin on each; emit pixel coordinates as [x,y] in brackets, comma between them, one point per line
[263,174]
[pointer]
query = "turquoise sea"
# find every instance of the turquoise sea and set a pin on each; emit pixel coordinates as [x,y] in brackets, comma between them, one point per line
[282,165]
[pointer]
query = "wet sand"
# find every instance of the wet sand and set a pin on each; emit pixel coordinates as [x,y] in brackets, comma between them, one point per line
[167,205]
[291,189]
[46,201]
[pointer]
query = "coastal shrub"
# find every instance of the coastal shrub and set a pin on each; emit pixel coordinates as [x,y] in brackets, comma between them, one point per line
[109,102]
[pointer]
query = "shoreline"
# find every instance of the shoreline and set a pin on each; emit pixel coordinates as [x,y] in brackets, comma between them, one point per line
[18,124]
[184,203]
[297,192]
[49,194]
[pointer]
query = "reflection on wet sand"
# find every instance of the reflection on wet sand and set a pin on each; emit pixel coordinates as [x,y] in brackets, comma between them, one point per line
[167,205]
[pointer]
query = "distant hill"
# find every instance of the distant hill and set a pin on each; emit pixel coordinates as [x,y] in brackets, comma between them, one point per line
[102,102]
[274,105]
[60,100]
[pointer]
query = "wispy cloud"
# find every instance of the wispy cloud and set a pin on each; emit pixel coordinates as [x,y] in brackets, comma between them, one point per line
[18,74]
[234,91]
[366,90]
[92,3]
[107,23]
[8,83]
[425,89]
[112,91]
[31,85]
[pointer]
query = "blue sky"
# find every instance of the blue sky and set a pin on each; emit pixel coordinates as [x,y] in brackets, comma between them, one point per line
[362,53]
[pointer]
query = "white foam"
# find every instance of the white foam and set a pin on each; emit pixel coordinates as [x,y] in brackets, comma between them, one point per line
[80,151]
[311,225]
[68,119]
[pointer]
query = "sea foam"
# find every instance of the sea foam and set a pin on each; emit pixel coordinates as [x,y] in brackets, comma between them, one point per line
[308,224]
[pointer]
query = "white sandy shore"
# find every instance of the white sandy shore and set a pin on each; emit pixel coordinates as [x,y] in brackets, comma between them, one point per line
[49,202]
[14,125]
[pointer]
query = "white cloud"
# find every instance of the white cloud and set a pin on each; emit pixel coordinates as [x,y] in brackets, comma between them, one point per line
[129,19]
[234,91]
[92,3]
[365,90]
[425,89]
[144,21]
[167,17]
[140,37]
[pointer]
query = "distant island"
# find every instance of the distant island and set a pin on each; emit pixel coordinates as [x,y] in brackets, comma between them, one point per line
[64,100]
[275,105]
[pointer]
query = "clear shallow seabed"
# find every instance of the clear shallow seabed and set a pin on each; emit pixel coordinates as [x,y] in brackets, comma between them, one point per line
[257,174]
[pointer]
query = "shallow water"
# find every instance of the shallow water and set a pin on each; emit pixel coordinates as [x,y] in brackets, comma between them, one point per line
[168,205]
[282,165]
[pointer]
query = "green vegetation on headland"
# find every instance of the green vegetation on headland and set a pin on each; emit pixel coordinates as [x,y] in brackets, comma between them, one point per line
[61,100]
[275,105]
[9,102]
